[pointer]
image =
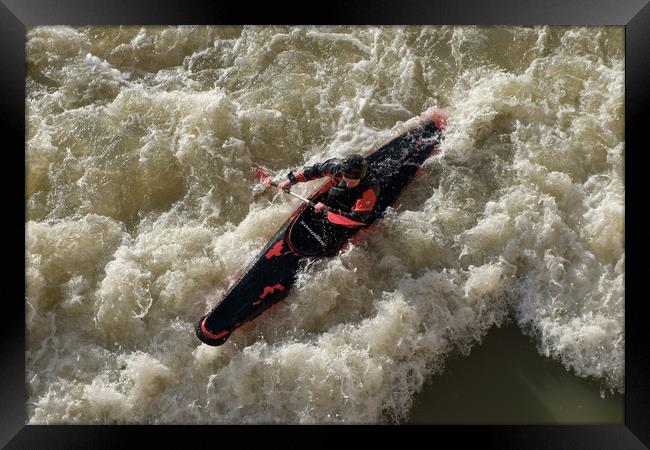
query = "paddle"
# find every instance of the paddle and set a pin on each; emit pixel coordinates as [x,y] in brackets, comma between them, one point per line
[331,215]
[264,178]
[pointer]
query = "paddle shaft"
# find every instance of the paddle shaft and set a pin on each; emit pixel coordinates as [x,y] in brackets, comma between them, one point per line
[306,200]
[261,174]
[331,215]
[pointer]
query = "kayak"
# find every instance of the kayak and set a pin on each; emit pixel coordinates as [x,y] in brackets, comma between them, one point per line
[308,234]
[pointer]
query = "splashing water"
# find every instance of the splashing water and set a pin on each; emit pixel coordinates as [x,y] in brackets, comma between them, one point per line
[141,211]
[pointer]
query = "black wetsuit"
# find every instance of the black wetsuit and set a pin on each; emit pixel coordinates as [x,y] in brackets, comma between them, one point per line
[356,203]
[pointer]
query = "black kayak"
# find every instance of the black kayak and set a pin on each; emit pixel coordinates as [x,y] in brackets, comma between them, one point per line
[308,234]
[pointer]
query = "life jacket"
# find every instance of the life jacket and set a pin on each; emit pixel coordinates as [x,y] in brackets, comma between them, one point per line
[342,197]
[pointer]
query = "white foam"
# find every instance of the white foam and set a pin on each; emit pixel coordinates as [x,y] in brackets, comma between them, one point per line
[142,209]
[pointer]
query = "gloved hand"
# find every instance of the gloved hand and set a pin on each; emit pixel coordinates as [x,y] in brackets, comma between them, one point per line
[285,185]
[321,206]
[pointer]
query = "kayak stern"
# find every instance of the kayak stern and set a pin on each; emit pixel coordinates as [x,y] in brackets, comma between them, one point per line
[207,337]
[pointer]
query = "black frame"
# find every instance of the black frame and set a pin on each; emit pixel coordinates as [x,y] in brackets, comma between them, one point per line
[16,15]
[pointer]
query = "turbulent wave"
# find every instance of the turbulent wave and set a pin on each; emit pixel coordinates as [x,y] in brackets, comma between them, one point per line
[141,210]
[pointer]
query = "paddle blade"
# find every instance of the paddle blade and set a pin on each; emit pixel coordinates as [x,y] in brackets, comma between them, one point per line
[263,177]
[260,173]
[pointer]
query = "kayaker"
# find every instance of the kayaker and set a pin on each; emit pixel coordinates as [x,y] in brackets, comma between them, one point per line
[354,189]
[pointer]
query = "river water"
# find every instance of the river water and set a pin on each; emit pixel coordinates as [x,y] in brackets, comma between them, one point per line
[141,208]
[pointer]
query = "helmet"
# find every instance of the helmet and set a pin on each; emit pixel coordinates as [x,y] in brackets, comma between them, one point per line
[354,166]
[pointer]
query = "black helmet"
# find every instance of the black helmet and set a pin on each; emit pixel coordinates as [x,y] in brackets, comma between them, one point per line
[355,167]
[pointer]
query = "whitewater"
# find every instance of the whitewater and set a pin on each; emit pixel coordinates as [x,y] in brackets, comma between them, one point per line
[141,209]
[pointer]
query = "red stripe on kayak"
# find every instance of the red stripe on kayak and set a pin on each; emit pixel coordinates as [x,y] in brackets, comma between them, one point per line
[211,335]
[340,220]
[269,290]
[275,251]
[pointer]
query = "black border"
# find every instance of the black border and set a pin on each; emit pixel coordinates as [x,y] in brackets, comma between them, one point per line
[16,15]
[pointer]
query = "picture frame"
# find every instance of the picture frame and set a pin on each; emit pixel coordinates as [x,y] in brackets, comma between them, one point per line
[633,15]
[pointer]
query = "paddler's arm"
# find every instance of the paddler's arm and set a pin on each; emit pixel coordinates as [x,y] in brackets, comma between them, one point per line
[309,173]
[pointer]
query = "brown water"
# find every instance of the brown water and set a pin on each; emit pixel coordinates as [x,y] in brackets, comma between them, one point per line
[505,381]
[141,209]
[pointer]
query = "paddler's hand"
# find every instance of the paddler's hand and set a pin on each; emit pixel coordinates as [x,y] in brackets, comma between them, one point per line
[321,206]
[285,185]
